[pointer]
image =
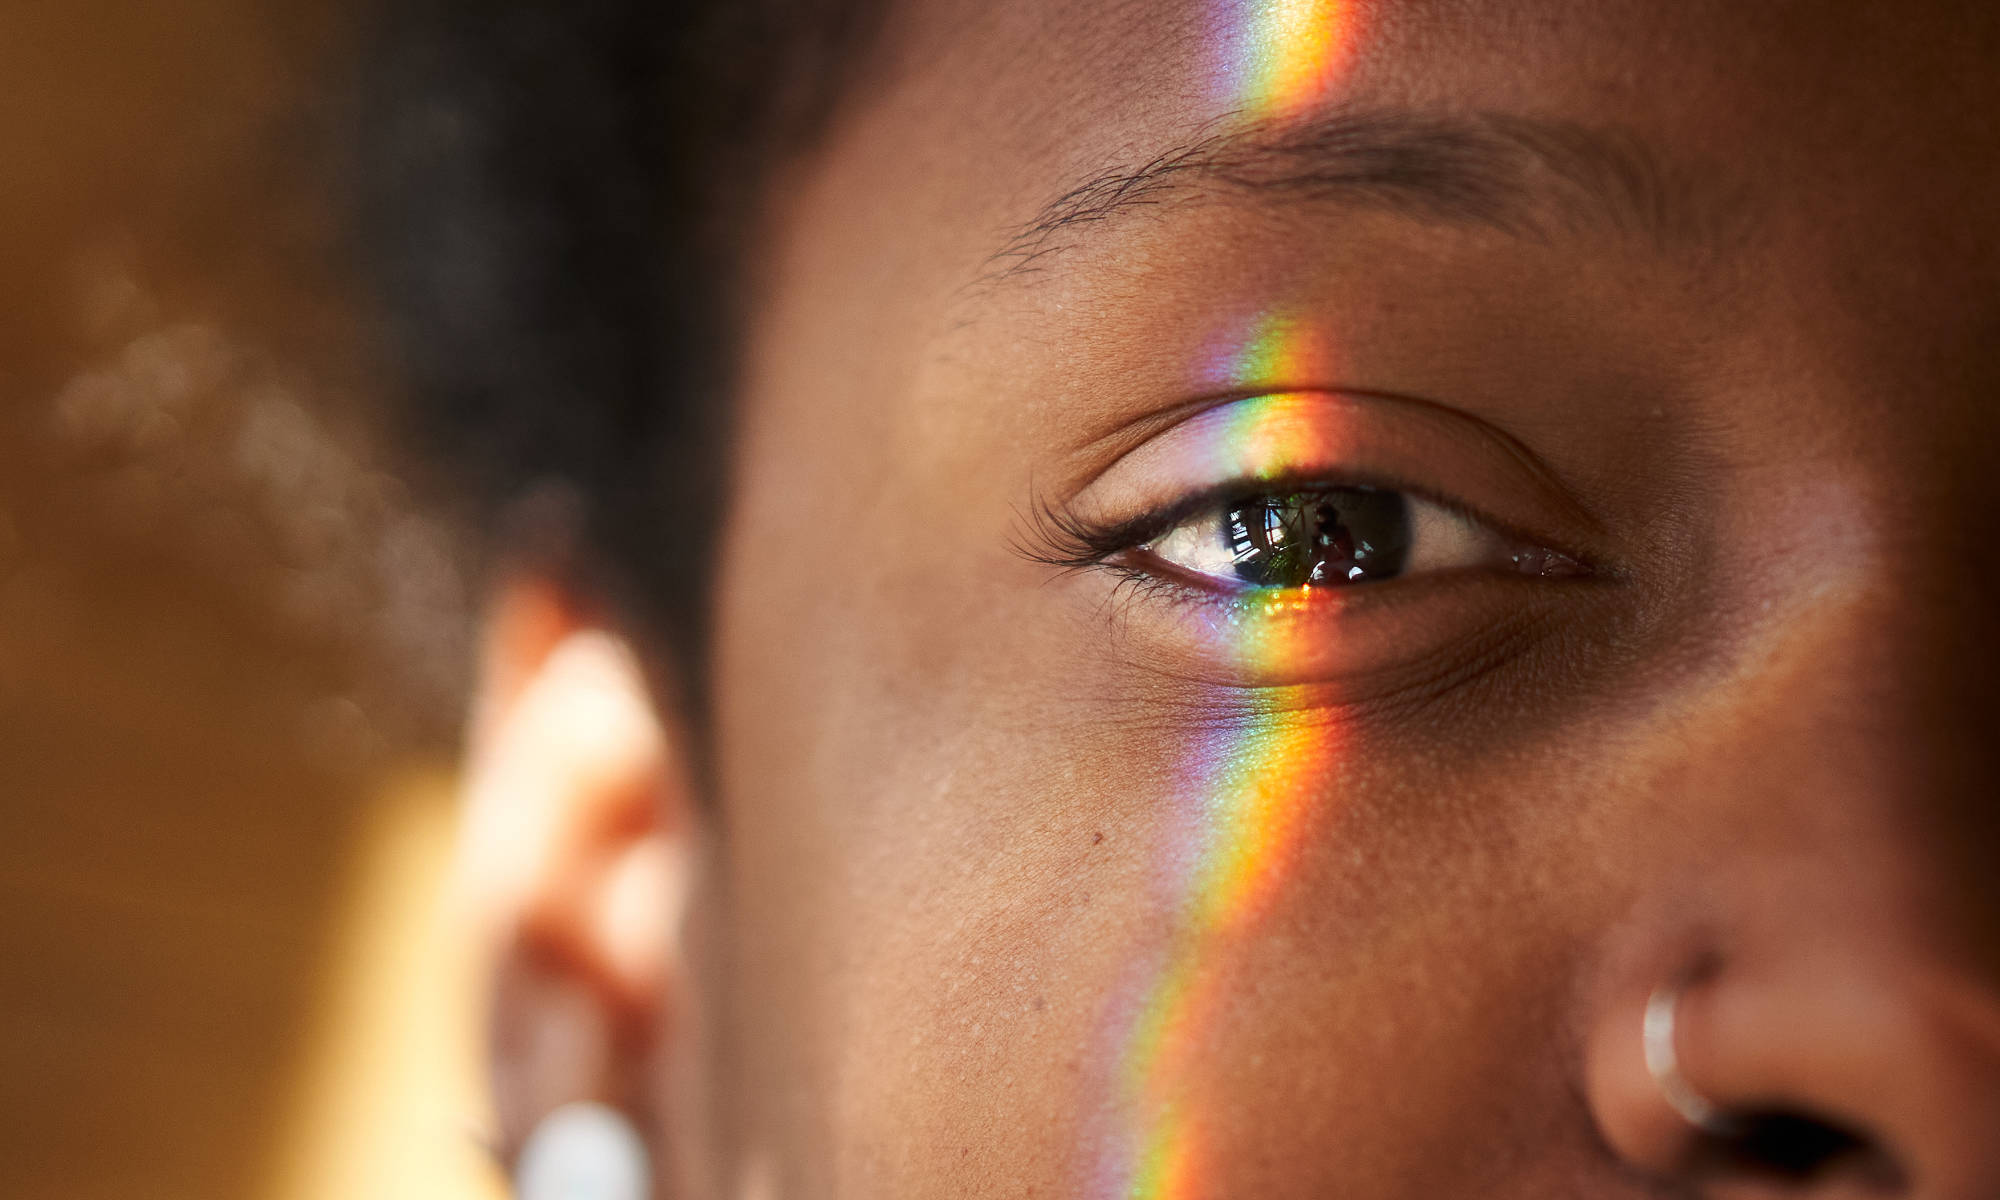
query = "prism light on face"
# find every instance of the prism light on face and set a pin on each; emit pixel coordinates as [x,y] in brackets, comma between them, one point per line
[1278,350]
[1251,792]
[1278,57]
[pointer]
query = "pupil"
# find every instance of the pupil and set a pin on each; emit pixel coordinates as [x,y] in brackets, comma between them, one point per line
[1328,538]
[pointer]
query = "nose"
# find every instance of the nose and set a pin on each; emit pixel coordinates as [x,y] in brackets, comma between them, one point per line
[1806,1000]
[1803,1059]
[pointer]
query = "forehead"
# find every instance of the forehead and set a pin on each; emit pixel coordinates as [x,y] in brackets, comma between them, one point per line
[1843,123]
[1044,90]
[1844,151]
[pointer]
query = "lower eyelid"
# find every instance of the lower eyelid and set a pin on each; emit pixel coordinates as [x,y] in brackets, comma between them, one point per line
[1361,645]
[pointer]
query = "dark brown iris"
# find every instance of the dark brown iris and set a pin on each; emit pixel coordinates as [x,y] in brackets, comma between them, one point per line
[1324,538]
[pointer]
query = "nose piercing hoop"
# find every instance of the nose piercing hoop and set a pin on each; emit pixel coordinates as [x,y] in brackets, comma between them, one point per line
[1663,1062]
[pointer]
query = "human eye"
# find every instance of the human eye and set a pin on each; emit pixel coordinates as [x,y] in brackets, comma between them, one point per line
[1330,536]
[1319,536]
[1297,493]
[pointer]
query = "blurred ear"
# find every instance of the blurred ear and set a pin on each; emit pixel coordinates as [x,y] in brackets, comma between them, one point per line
[574,861]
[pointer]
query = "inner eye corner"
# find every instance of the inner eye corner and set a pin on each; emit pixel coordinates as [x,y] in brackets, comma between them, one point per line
[1536,560]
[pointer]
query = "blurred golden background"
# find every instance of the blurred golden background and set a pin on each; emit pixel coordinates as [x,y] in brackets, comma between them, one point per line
[232,637]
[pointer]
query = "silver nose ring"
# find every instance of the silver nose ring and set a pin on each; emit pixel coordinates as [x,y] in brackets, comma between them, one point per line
[1663,1062]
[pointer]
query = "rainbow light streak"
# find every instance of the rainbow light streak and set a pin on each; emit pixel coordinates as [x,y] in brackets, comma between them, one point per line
[1257,789]
[1282,55]
[1278,349]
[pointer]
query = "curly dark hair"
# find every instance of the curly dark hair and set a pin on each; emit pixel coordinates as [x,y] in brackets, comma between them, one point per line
[554,198]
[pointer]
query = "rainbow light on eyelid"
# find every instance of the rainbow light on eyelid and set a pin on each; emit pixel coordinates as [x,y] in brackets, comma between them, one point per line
[1284,54]
[1251,794]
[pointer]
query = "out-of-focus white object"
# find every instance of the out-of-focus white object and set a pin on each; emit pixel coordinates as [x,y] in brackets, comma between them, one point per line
[583,1152]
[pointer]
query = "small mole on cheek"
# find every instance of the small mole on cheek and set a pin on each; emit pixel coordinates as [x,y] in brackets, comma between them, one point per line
[1097,837]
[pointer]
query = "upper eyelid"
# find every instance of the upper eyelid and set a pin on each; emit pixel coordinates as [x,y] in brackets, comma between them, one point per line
[1331,437]
[1291,429]
[1114,450]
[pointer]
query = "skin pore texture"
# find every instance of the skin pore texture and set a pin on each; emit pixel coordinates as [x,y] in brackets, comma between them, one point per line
[1031,869]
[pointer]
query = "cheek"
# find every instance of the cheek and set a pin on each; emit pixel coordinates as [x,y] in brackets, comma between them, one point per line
[1007,922]
[1008,912]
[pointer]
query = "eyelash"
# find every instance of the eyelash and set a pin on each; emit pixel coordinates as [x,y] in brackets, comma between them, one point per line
[1060,538]
[1057,537]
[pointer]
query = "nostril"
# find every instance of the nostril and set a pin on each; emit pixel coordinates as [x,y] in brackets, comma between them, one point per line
[1811,1070]
[1801,1150]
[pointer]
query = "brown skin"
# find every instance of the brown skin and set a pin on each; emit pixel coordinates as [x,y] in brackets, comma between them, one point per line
[1756,741]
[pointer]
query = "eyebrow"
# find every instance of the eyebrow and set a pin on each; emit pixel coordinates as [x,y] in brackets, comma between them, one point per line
[1519,175]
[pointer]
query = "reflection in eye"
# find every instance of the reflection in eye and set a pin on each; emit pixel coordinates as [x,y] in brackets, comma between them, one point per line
[1331,537]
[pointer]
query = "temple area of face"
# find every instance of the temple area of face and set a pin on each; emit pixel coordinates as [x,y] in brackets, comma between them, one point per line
[1522,176]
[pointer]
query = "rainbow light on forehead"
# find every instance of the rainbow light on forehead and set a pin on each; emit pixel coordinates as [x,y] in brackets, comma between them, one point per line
[1282,55]
[1251,796]
[1277,348]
